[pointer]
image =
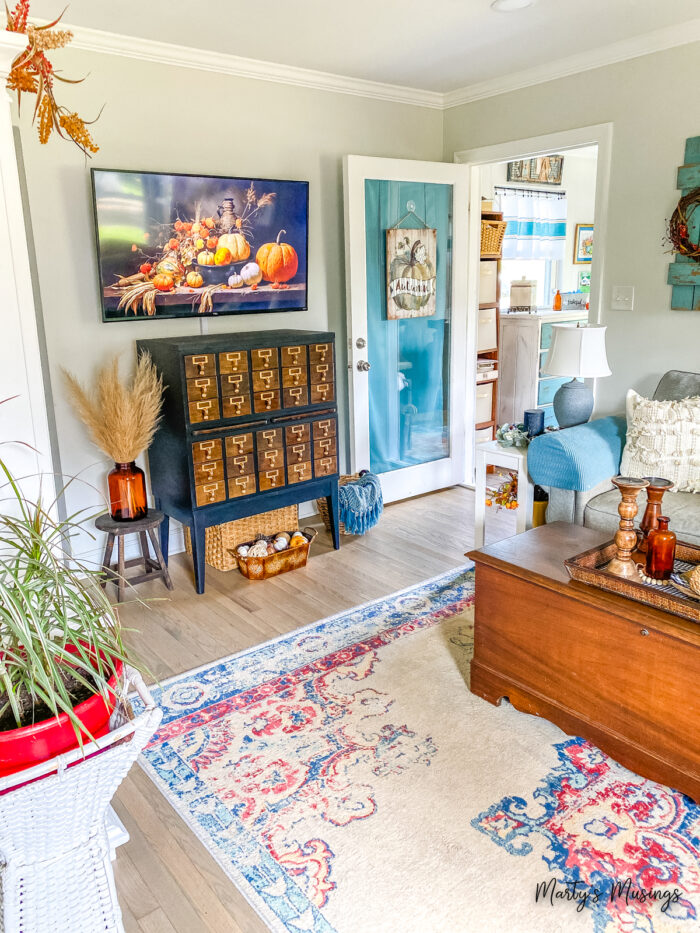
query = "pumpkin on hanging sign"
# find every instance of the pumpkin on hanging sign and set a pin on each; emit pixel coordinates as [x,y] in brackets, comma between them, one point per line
[222,257]
[163,282]
[205,258]
[419,268]
[278,261]
[237,245]
[194,279]
[251,273]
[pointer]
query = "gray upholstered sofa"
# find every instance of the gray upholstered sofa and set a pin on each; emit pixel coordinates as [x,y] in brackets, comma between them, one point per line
[575,466]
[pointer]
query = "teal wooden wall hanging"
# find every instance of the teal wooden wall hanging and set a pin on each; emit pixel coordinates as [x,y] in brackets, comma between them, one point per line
[684,272]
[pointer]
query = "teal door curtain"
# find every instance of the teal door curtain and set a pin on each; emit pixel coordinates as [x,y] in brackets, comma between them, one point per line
[410,358]
[536,223]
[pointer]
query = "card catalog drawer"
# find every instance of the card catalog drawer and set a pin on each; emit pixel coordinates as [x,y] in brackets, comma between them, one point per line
[241,486]
[208,471]
[483,435]
[324,447]
[264,379]
[235,384]
[203,364]
[298,453]
[486,335]
[240,465]
[323,392]
[299,472]
[321,372]
[297,434]
[206,450]
[326,466]
[210,492]
[294,376]
[295,396]
[271,479]
[270,437]
[205,410]
[320,352]
[237,444]
[235,405]
[235,361]
[294,356]
[201,388]
[325,428]
[484,400]
[271,459]
[265,358]
[267,401]
[488,282]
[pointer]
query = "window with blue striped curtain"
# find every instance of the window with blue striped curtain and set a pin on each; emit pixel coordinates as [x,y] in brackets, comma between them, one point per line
[536,223]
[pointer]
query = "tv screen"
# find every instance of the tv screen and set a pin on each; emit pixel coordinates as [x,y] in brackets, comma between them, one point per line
[196,245]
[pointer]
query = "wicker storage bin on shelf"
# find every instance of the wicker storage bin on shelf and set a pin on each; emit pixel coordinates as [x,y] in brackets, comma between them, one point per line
[220,540]
[322,505]
[492,233]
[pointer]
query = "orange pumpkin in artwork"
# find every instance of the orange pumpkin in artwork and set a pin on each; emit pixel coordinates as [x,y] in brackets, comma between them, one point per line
[222,257]
[278,261]
[163,282]
[194,279]
[205,259]
[237,245]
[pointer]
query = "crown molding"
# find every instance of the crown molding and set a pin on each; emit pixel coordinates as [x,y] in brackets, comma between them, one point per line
[165,53]
[657,41]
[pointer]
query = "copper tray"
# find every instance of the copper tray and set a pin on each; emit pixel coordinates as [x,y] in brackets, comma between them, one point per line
[262,568]
[587,567]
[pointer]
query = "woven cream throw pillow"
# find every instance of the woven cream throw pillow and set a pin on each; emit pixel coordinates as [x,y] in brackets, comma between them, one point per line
[663,439]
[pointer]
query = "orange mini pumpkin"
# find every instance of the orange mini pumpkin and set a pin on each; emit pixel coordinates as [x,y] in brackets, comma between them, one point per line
[222,257]
[194,279]
[205,259]
[278,261]
[163,282]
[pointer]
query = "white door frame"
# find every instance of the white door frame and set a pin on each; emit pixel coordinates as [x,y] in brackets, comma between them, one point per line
[600,134]
[438,474]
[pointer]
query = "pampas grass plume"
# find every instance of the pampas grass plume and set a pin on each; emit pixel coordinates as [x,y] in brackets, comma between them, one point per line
[121,419]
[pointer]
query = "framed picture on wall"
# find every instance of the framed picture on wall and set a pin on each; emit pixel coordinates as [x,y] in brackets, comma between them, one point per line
[544,170]
[411,260]
[584,280]
[172,245]
[583,244]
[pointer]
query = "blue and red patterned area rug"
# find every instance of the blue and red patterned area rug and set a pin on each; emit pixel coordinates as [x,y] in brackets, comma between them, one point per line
[347,781]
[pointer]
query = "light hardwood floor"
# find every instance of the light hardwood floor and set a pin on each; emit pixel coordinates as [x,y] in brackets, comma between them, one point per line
[166,879]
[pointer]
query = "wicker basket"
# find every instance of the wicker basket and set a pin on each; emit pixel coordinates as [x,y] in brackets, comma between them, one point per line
[322,505]
[492,233]
[221,540]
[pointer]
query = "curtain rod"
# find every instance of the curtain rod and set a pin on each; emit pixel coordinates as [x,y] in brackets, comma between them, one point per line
[552,194]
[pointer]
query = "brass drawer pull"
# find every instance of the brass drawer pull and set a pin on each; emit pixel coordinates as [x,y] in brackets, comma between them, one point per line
[644,631]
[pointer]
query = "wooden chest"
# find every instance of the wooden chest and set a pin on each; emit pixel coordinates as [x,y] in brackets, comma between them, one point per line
[249,424]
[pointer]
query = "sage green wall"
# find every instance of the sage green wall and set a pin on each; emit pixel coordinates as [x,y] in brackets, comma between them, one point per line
[165,118]
[650,102]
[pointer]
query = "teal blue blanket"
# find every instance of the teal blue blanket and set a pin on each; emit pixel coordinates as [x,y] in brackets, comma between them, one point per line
[360,503]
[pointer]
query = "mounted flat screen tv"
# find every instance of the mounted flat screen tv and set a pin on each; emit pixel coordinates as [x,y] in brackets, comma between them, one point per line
[199,245]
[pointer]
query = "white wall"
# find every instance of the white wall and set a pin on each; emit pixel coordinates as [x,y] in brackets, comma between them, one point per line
[653,111]
[165,118]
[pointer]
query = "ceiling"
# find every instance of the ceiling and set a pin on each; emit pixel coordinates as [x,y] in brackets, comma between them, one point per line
[439,45]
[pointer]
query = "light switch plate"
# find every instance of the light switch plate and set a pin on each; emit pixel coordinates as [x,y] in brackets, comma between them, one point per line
[623,298]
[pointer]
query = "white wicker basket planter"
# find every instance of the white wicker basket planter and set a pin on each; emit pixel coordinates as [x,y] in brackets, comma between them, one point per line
[55,868]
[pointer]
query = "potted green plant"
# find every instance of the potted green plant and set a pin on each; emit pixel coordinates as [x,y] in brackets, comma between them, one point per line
[61,649]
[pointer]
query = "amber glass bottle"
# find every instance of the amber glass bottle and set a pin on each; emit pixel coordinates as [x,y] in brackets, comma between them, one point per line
[127,492]
[556,304]
[661,551]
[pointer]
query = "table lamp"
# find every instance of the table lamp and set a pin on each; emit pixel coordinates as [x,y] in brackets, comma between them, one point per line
[577,351]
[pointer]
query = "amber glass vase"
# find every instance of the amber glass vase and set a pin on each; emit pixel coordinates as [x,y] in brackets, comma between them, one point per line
[127,492]
[661,550]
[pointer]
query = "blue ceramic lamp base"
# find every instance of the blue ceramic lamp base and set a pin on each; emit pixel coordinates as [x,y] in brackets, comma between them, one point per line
[573,404]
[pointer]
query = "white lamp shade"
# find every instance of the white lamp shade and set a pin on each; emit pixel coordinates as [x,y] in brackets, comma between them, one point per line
[577,351]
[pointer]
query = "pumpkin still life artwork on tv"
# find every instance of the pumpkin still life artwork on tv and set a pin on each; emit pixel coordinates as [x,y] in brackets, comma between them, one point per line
[411,259]
[183,245]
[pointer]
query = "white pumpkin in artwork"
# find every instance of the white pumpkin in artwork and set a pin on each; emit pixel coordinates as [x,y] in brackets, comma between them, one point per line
[235,281]
[251,273]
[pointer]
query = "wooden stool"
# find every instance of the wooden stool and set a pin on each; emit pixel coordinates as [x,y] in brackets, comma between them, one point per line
[145,528]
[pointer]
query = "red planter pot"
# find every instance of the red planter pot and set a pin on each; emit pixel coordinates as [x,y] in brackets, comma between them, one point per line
[28,746]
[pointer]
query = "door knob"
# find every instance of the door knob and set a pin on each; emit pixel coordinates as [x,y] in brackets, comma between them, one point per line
[363,366]
[360,343]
